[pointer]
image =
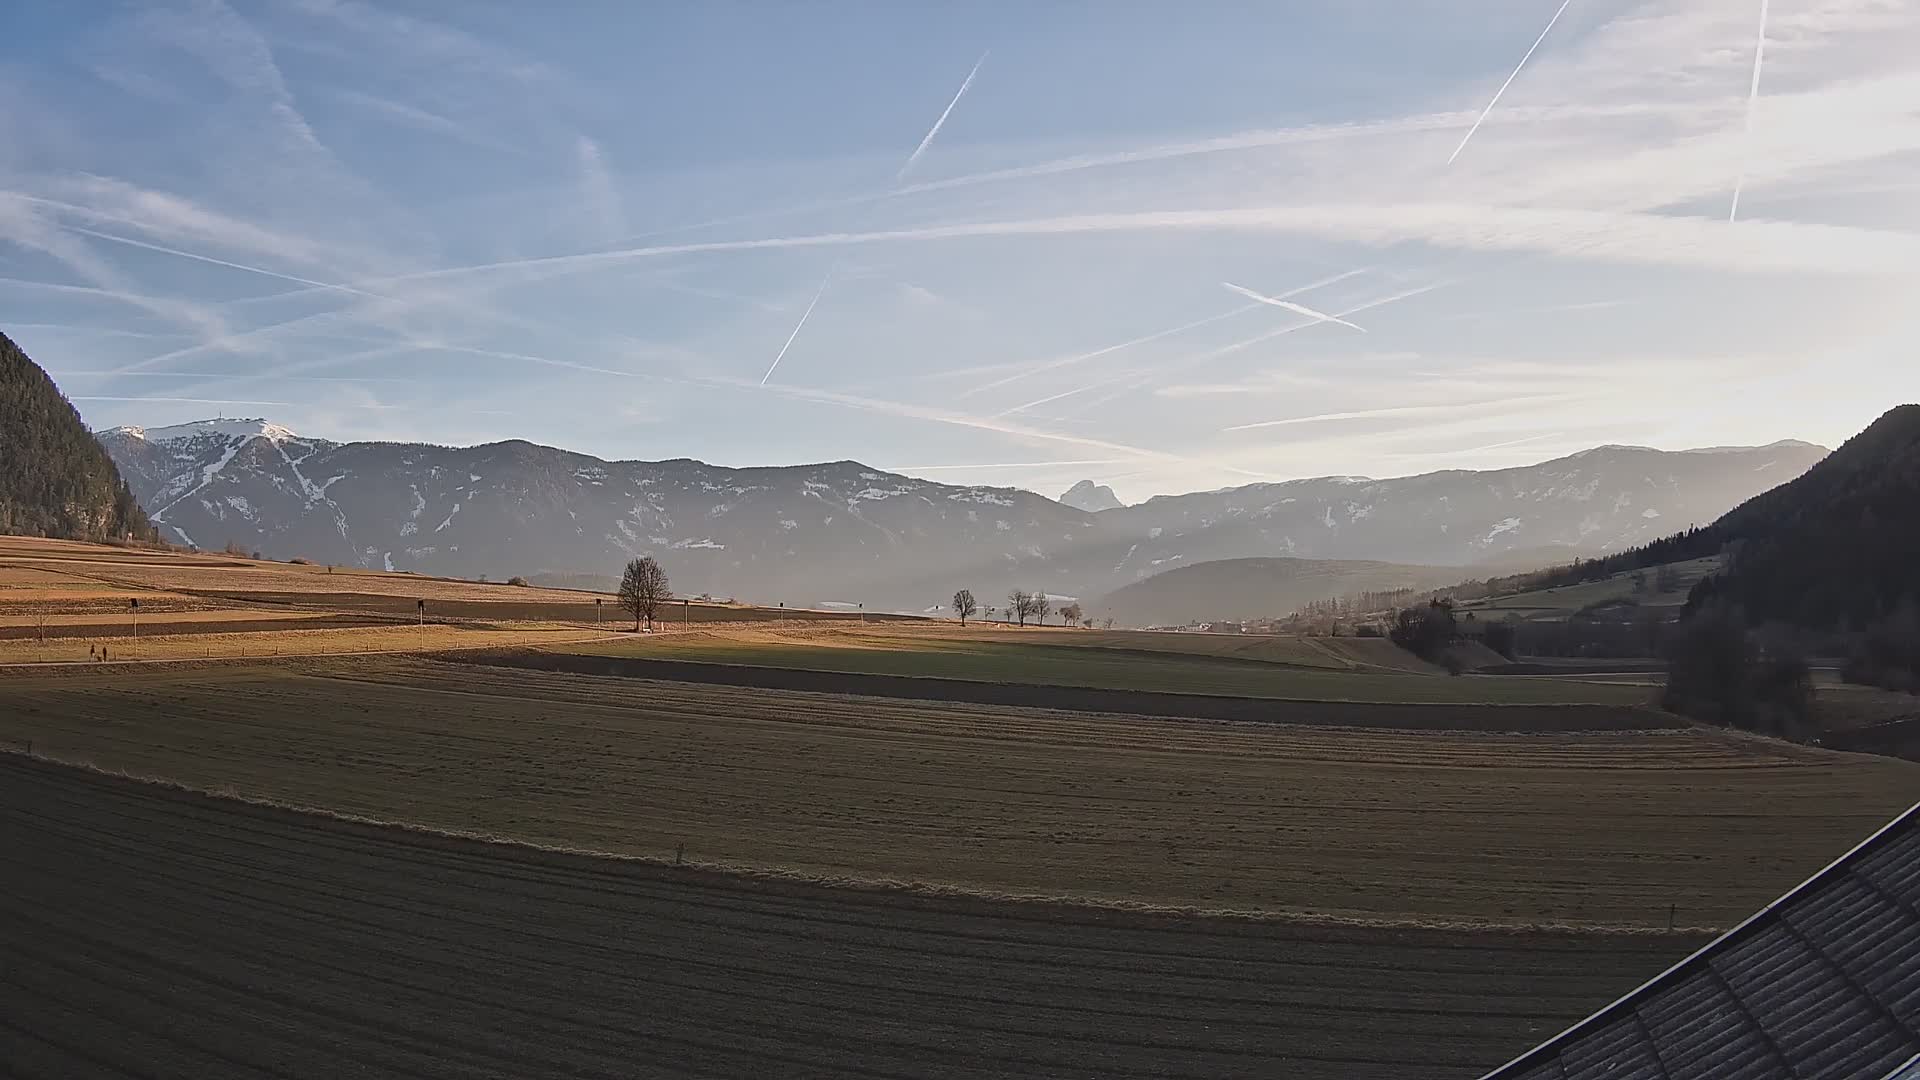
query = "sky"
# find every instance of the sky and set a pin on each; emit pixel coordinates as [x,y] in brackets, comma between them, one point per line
[1163,247]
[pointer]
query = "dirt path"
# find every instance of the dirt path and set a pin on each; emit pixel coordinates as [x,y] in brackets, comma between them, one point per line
[156,933]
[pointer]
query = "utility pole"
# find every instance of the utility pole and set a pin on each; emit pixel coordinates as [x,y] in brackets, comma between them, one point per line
[422,606]
[133,605]
[686,610]
[596,610]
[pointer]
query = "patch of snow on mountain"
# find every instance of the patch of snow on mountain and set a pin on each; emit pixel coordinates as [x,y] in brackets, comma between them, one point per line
[703,542]
[789,523]
[1002,526]
[226,429]
[1649,513]
[444,524]
[1505,525]
[240,503]
[881,493]
[387,562]
[1154,533]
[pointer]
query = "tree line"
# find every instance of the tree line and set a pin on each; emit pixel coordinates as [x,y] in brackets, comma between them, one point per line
[1022,605]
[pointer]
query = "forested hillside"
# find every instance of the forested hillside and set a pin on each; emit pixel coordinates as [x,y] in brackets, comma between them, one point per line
[1840,546]
[55,480]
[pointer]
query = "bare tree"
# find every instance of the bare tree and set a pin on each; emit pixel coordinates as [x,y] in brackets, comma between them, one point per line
[643,588]
[1107,623]
[964,606]
[1041,607]
[1020,605]
[1070,614]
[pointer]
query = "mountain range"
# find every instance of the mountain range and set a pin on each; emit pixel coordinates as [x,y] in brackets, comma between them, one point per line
[843,532]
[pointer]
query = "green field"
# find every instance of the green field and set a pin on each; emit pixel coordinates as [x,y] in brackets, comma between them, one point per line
[980,660]
[1561,602]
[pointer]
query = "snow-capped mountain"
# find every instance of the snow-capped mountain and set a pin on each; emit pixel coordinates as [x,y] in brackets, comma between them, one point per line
[842,532]
[1091,497]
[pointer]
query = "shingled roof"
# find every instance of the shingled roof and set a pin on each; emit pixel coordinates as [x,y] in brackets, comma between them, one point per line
[1822,983]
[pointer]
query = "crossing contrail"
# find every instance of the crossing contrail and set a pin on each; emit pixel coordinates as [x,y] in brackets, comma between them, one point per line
[1753,95]
[1298,309]
[1509,82]
[898,177]
[818,293]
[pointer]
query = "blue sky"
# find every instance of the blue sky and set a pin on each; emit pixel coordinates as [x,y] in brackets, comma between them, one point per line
[596,227]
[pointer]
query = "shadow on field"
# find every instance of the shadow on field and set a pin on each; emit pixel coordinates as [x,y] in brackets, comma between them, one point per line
[1359,714]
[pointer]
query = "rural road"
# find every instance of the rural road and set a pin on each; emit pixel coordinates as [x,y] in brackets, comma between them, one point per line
[155,933]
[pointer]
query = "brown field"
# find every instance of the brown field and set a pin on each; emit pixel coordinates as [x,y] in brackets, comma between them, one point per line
[173,644]
[1448,827]
[152,932]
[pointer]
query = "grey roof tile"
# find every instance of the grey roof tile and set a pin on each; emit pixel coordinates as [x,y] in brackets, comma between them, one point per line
[1823,984]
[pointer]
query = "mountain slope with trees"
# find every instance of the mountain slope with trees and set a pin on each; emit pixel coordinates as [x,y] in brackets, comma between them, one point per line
[55,479]
[1240,589]
[1838,548]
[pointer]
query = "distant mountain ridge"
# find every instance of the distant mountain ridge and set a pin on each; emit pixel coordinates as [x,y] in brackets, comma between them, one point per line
[55,480]
[1091,497]
[844,532]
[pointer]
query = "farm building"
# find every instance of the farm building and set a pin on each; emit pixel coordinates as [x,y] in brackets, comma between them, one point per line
[1824,982]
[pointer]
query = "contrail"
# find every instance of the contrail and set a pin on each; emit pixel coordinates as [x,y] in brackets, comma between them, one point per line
[1509,82]
[901,175]
[1298,309]
[1194,325]
[1753,95]
[804,316]
[940,123]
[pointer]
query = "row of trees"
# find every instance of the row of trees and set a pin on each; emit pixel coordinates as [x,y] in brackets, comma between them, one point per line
[1021,605]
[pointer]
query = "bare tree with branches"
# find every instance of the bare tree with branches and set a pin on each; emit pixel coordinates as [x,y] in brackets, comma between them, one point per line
[643,588]
[964,605]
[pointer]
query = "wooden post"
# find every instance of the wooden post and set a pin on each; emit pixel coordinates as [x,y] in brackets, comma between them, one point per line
[134,606]
[596,610]
[422,606]
[686,611]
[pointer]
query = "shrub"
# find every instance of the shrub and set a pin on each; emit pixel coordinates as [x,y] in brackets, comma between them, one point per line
[298,561]
[517,580]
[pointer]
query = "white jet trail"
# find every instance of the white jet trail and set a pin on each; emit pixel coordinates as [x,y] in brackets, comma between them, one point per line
[898,177]
[1753,95]
[818,293]
[1509,82]
[940,123]
[1298,309]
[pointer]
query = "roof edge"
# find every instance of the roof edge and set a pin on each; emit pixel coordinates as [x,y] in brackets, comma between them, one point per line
[1625,1001]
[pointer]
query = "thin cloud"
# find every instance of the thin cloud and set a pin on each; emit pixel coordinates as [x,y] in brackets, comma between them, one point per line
[804,316]
[1503,86]
[827,278]
[182,400]
[940,123]
[1289,305]
[1401,410]
[129,241]
[1753,97]
[596,187]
